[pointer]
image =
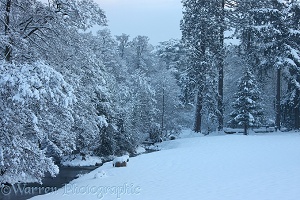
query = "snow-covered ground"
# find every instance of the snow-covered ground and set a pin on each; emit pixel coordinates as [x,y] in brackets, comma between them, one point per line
[219,167]
[77,161]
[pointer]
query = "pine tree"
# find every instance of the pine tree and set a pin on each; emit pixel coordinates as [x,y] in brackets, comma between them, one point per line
[272,38]
[201,34]
[291,100]
[268,31]
[247,106]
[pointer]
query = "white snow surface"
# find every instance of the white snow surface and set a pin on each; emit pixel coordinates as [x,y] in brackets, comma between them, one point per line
[215,167]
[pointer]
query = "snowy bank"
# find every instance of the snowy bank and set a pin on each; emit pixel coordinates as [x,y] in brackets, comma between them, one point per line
[79,161]
[140,150]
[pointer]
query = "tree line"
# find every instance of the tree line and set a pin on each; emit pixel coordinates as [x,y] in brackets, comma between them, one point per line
[66,91]
[267,51]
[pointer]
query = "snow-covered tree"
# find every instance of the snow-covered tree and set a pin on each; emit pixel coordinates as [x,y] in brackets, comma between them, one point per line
[268,32]
[123,42]
[291,101]
[247,106]
[140,53]
[36,109]
[20,21]
[202,34]
[27,26]
[173,56]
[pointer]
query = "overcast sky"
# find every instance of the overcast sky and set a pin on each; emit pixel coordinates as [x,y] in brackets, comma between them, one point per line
[157,19]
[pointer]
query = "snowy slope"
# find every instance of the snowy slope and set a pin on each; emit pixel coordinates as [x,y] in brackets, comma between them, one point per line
[226,167]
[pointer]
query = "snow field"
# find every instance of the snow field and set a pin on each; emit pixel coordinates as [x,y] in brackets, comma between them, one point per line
[225,167]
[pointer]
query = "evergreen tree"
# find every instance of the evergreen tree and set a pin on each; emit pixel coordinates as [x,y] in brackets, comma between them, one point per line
[247,106]
[202,34]
[269,33]
[272,38]
[291,100]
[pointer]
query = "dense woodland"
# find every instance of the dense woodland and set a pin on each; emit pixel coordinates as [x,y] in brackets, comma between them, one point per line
[64,90]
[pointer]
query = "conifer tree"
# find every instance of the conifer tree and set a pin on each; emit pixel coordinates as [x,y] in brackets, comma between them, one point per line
[202,34]
[248,110]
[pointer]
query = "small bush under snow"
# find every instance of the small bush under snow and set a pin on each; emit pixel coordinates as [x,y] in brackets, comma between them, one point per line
[121,161]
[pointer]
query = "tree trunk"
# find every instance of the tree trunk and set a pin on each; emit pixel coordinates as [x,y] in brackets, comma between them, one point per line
[198,114]
[163,110]
[221,70]
[278,97]
[8,50]
[220,98]
[245,129]
[297,117]
[296,110]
